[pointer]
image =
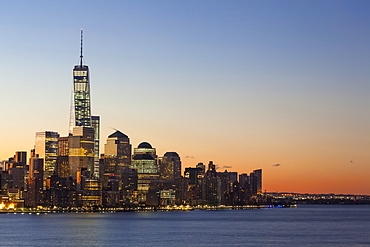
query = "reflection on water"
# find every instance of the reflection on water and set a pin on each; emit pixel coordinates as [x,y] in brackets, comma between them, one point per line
[311,225]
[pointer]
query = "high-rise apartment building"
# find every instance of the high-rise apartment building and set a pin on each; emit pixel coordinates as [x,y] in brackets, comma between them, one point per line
[256,180]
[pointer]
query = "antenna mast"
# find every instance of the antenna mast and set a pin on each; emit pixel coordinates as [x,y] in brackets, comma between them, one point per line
[81,56]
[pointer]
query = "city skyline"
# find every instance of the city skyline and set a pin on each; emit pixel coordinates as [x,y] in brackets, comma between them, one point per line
[287,97]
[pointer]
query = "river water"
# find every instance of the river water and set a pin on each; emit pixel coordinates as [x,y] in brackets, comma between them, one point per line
[306,225]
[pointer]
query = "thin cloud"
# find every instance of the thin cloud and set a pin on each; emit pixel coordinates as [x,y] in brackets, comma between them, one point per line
[219,167]
[226,167]
[189,157]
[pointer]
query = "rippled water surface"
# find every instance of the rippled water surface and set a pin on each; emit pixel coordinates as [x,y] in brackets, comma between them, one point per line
[306,225]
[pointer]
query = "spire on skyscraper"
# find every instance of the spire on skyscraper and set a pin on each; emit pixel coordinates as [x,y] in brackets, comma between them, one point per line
[81,56]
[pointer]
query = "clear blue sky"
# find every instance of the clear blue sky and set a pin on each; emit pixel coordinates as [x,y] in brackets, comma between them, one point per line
[247,84]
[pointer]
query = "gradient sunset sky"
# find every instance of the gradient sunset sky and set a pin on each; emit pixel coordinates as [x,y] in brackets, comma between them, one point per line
[278,85]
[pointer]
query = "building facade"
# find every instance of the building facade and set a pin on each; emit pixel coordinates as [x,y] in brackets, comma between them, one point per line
[170,166]
[46,147]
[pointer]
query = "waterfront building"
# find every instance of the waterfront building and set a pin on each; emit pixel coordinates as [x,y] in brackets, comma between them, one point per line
[194,176]
[244,180]
[225,186]
[90,193]
[20,157]
[211,189]
[35,181]
[62,192]
[18,173]
[111,193]
[244,187]
[129,186]
[256,182]
[6,181]
[16,169]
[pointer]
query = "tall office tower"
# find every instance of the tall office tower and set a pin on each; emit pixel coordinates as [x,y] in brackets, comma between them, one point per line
[245,188]
[18,173]
[244,180]
[35,181]
[6,182]
[211,186]
[202,167]
[81,106]
[118,146]
[170,166]
[95,123]
[62,165]
[20,169]
[21,157]
[193,174]
[46,147]
[117,156]
[129,185]
[81,150]
[226,185]
[256,180]
[195,177]
[144,161]
[81,94]
[233,176]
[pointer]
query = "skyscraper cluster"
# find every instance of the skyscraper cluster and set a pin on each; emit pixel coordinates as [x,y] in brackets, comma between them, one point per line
[70,171]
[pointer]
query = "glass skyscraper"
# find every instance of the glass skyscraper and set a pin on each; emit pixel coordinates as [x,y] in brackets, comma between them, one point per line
[95,123]
[145,163]
[46,147]
[81,107]
[81,96]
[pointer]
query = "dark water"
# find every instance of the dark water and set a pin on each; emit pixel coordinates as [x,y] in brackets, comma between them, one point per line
[310,225]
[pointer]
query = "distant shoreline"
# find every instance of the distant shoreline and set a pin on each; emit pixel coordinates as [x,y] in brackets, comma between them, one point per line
[139,209]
